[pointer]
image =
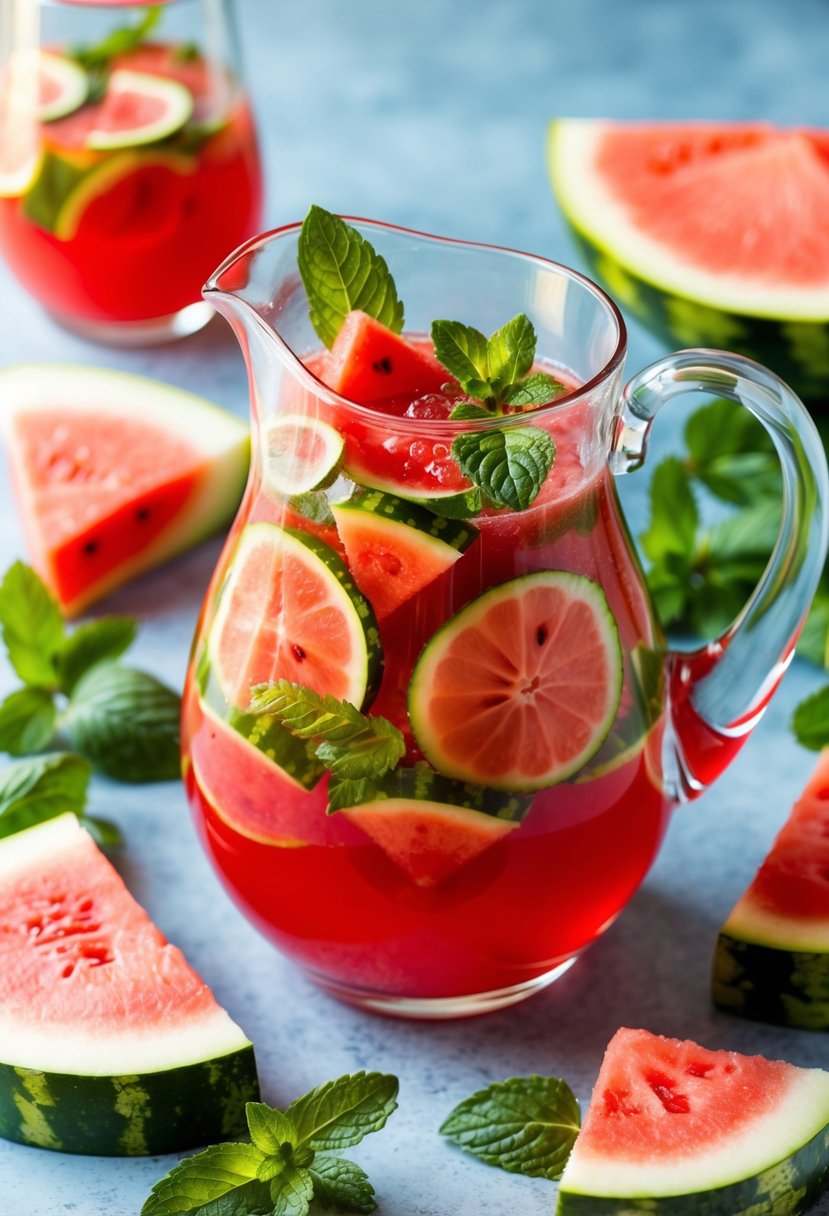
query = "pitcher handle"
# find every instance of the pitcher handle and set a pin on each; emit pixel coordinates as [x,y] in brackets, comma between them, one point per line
[717,694]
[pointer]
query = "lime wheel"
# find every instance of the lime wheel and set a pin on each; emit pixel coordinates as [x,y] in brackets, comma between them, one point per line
[521,687]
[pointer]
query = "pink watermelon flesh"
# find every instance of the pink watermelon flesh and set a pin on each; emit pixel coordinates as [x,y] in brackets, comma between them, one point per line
[793,881]
[390,570]
[77,951]
[95,491]
[745,199]
[368,362]
[664,1099]
[428,841]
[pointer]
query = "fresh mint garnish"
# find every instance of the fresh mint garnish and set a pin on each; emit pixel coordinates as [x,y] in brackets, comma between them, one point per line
[294,1157]
[126,722]
[526,1125]
[32,791]
[495,370]
[313,506]
[811,720]
[352,745]
[508,466]
[123,720]
[119,42]
[341,272]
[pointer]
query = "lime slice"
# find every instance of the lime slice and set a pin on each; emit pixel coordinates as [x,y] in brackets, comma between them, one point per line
[299,454]
[521,687]
[290,610]
[139,109]
[63,86]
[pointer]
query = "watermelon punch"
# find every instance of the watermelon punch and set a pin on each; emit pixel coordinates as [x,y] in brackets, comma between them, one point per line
[128,165]
[432,735]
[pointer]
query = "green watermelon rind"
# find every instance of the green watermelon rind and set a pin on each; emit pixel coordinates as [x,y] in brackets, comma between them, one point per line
[143,1114]
[422,786]
[767,983]
[330,567]
[418,692]
[126,1094]
[796,347]
[391,515]
[220,438]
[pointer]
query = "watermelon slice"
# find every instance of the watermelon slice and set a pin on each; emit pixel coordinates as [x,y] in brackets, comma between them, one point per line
[772,957]
[678,1130]
[368,362]
[114,473]
[713,234]
[396,548]
[139,108]
[111,1044]
[430,826]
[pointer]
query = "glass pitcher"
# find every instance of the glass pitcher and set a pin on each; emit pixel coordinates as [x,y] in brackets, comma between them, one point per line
[128,160]
[543,732]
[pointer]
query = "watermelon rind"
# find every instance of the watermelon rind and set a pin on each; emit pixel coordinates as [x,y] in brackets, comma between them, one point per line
[765,983]
[325,565]
[421,685]
[786,329]
[75,1089]
[220,440]
[777,1165]
[421,784]
[178,102]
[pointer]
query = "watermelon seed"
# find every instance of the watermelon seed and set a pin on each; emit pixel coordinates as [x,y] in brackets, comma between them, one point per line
[142,514]
[541,635]
[91,547]
[298,652]
[383,365]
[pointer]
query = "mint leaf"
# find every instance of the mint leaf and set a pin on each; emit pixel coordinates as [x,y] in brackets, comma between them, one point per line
[723,428]
[509,466]
[105,834]
[118,42]
[27,721]
[31,624]
[348,791]
[510,351]
[526,1125]
[466,410]
[292,1192]
[464,352]
[814,640]
[350,743]
[313,505]
[342,1185]
[93,642]
[538,389]
[126,722]
[340,1113]
[32,791]
[56,179]
[210,1175]
[269,1128]
[674,515]
[811,720]
[341,272]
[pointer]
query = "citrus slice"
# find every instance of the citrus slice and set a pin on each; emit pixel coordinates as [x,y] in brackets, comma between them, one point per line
[299,454]
[290,610]
[139,109]
[63,86]
[713,234]
[20,152]
[396,548]
[520,688]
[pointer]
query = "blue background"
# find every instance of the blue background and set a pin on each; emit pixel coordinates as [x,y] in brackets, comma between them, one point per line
[434,116]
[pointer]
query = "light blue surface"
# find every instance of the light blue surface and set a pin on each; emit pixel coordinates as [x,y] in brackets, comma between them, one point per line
[435,117]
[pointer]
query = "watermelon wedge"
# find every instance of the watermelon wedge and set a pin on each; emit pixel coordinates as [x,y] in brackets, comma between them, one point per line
[368,362]
[677,1130]
[772,956]
[110,1042]
[114,473]
[713,234]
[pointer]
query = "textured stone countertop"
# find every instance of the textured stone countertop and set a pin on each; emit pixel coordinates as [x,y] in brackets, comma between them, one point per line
[433,115]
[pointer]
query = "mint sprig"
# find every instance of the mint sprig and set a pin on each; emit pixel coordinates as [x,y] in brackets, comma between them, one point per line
[124,721]
[526,1125]
[508,466]
[33,791]
[294,1157]
[341,272]
[118,42]
[494,370]
[355,747]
